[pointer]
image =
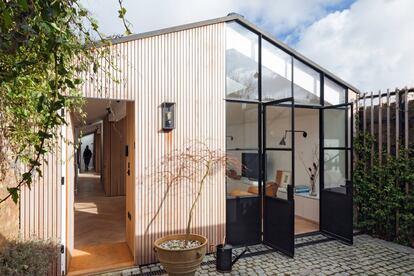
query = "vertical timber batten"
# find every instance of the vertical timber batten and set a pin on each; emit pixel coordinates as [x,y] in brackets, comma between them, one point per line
[185,67]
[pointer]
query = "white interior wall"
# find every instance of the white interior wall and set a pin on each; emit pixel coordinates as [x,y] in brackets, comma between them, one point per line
[244,134]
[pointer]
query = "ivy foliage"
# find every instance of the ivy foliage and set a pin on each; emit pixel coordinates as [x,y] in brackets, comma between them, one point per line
[384,191]
[45,46]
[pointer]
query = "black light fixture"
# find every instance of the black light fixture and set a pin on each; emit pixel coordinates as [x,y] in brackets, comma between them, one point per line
[168,115]
[283,141]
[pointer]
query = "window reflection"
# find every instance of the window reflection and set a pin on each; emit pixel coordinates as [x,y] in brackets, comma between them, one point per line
[333,93]
[278,173]
[276,73]
[242,149]
[335,173]
[241,125]
[242,175]
[334,124]
[306,84]
[241,62]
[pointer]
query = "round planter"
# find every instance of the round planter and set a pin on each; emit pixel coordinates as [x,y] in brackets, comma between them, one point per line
[184,261]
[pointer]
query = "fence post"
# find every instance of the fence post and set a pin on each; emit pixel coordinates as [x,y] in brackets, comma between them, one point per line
[380,126]
[388,123]
[372,121]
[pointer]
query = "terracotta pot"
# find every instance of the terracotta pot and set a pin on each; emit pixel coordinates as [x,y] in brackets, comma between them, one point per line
[181,262]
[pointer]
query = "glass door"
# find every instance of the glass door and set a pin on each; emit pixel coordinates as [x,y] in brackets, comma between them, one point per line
[278,175]
[336,177]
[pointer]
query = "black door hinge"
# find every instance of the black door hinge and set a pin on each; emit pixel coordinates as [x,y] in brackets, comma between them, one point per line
[126,150]
[62,180]
[62,249]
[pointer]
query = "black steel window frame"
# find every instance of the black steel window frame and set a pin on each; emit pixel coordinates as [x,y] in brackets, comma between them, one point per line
[321,107]
[347,107]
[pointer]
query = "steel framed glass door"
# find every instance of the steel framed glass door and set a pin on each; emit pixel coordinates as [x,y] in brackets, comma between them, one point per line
[278,175]
[336,213]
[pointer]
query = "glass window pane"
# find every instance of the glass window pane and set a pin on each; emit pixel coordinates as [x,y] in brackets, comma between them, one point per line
[242,174]
[278,173]
[276,73]
[333,93]
[335,174]
[306,84]
[241,125]
[334,127]
[278,126]
[242,67]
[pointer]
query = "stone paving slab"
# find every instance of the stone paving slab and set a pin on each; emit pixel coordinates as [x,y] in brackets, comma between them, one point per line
[368,256]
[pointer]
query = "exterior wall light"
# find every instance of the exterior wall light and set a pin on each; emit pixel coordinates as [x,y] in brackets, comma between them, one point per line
[168,115]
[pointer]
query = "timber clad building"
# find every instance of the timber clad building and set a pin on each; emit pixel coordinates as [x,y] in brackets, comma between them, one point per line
[223,81]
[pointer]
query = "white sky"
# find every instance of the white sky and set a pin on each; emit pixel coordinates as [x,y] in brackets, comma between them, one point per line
[369,43]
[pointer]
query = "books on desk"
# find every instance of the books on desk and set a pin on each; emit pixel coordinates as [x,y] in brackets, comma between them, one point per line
[301,189]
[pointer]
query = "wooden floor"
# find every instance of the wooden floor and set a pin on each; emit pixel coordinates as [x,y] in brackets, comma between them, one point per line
[98,219]
[95,258]
[100,242]
[303,226]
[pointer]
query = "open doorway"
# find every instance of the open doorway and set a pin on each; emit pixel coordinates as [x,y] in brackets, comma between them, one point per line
[307,167]
[102,206]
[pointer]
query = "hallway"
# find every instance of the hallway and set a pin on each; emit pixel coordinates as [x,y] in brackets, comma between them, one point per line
[98,219]
[99,234]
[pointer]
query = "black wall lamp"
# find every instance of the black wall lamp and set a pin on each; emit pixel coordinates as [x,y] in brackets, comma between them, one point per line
[168,115]
[283,141]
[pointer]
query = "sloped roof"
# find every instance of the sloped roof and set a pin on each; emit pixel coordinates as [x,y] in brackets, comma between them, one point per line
[240,19]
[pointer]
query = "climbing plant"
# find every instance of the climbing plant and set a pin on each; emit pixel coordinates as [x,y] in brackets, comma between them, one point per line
[384,191]
[45,46]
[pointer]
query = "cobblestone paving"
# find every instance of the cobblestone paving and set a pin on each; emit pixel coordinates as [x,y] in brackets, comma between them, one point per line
[368,256]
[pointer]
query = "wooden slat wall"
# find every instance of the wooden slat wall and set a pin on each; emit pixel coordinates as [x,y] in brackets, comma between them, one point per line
[185,67]
[40,206]
[122,84]
[188,68]
[389,119]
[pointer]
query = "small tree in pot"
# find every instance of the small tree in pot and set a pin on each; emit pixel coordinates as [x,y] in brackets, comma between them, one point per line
[182,254]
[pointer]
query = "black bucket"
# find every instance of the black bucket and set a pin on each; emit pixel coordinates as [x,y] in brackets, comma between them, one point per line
[224,257]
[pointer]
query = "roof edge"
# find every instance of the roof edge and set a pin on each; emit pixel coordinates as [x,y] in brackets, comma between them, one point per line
[238,18]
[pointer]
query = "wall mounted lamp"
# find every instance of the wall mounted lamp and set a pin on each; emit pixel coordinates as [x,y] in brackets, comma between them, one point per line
[230,137]
[168,115]
[283,141]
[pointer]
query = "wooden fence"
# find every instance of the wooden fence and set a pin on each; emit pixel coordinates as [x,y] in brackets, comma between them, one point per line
[389,118]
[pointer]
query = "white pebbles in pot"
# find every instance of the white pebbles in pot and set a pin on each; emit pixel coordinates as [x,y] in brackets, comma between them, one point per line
[179,244]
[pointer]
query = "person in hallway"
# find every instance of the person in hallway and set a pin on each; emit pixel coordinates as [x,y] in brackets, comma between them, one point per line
[87,154]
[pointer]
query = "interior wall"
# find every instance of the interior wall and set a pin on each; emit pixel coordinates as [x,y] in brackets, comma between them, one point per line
[114,140]
[305,147]
[245,133]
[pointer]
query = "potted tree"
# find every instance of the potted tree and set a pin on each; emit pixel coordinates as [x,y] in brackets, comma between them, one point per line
[182,254]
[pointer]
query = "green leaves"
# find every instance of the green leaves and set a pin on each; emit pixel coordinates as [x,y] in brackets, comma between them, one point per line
[383,206]
[14,192]
[42,55]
